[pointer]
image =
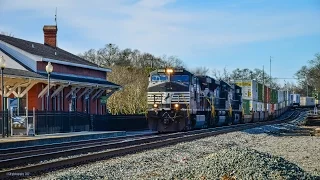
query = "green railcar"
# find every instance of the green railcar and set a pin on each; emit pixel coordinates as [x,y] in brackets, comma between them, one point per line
[246,106]
[260,92]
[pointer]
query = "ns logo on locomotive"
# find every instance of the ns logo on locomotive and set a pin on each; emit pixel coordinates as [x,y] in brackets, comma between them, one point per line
[179,100]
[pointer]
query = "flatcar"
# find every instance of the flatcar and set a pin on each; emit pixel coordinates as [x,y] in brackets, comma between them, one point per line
[179,100]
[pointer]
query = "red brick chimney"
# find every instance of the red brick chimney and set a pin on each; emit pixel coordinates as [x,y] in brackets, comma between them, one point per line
[50,35]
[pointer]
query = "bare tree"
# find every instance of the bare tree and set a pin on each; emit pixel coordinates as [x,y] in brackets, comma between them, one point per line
[309,77]
[200,71]
[224,76]
[6,33]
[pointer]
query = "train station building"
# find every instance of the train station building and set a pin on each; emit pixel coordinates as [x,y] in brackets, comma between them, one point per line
[75,84]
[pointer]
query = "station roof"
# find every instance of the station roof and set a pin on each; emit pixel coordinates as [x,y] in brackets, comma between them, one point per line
[45,51]
[54,77]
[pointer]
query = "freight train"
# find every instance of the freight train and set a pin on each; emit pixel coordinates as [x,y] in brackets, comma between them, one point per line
[179,100]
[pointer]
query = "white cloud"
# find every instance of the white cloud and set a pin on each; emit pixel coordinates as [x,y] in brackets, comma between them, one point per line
[149,25]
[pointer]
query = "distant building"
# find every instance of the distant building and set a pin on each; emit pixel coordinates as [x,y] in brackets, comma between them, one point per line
[76,84]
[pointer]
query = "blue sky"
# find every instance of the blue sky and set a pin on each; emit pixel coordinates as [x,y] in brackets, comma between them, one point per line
[210,33]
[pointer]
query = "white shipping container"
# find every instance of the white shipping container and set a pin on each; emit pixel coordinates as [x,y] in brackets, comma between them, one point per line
[275,107]
[307,101]
[269,107]
[294,98]
[253,106]
[281,95]
[249,89]
[259,106]
[286,98]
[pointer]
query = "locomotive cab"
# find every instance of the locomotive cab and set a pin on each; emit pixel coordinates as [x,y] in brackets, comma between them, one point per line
[168,99]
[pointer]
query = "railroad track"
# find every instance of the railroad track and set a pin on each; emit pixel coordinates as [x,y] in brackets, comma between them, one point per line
[113,149]
[46,148]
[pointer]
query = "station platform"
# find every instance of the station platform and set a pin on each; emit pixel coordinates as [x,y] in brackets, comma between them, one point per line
[22,141]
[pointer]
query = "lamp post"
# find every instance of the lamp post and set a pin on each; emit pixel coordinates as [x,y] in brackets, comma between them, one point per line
[2,66]
[49,69]
[315,104]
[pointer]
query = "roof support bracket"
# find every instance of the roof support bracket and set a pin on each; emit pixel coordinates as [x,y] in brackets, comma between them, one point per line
[72,90]
[100,94]
[13,89]
[44,90]
[84,92]
[97,92]
[111,92]
[57,91]
[27,89]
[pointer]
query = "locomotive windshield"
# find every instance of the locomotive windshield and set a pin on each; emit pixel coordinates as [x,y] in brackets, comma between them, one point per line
[159,77]
[173,78]
[180,78]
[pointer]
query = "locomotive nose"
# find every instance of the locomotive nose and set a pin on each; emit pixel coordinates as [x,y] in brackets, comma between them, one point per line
[165,118]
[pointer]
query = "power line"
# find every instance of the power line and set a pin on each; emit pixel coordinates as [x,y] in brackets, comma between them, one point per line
[284,78]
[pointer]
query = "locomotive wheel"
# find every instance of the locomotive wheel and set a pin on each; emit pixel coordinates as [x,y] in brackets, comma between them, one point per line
[210,120]
[228,121]
[216,119]
[241,118]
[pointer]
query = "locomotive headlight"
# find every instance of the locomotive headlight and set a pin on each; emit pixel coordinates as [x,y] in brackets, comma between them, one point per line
[169,71]
[155,105]
[176,105]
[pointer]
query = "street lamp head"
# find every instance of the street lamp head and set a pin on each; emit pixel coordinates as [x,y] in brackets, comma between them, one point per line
[2,62]
[49,68]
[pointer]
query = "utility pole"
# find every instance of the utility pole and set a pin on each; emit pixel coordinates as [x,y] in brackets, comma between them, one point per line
[270,73]
[264,108]
[263,75]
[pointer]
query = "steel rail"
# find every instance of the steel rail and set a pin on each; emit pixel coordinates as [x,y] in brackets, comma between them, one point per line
[44,167]
[54,145]
[40,149]
[33,156]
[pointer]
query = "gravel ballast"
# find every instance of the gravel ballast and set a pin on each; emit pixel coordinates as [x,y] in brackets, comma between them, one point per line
[267,152]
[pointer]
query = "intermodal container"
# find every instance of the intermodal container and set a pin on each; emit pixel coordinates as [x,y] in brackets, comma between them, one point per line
[265,94]
[286,98]
[249,89]
[253,106]
[265,106]
[307,101]
[260,92]
[246,106]
[294,99]
[274,96]
[268,95]
[269,108]
[272,107]
[259,106]
[281,95]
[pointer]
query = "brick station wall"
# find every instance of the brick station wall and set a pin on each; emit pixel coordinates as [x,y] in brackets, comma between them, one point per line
[34,101]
